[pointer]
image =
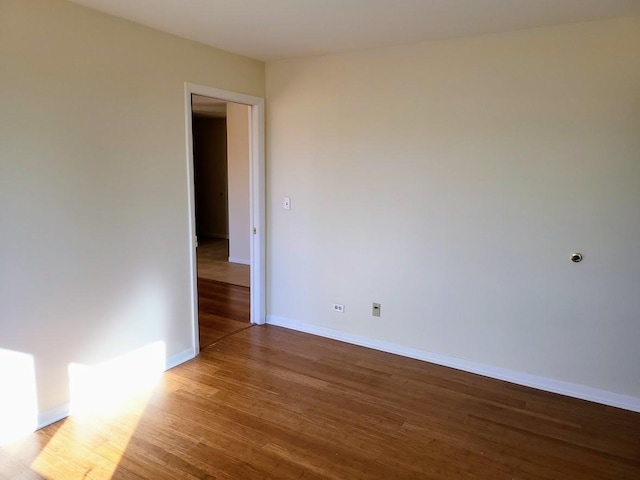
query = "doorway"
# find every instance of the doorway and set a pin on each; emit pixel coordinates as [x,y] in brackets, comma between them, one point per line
[225,138]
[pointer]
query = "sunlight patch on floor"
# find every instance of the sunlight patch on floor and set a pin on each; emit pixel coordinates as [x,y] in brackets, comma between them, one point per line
[90,443]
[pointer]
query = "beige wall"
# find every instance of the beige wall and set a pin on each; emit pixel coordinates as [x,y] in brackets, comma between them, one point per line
[450,181]
[238,168]
[93,185]
[210,168]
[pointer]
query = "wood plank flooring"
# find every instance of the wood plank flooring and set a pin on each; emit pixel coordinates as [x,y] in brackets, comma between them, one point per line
[213,263]
[223,310]
[269,403]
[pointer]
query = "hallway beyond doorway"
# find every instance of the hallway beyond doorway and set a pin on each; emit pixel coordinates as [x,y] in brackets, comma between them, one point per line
[213,263]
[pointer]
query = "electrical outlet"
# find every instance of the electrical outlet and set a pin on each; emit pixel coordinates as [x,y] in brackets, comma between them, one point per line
[375,311]
[337,307]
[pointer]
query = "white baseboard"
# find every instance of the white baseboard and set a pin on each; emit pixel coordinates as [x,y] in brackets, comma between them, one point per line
[243,261]
[541,383]
[53,415]
[178,358]
[62,411]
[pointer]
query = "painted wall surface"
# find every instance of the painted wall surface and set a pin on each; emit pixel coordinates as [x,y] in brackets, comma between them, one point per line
[210,170]
[450,181]
[93,185]
[239,193]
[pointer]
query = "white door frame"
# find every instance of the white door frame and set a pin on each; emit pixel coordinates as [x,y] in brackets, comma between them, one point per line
[257,200]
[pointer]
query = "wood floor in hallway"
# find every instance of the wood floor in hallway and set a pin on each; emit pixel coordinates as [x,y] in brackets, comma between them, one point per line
[270,403]
[223,309]
[214,264]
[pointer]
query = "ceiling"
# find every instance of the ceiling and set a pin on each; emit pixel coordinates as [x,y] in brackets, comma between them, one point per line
[276,29]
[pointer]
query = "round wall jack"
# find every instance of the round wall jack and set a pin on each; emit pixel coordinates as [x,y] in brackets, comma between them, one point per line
[576,257]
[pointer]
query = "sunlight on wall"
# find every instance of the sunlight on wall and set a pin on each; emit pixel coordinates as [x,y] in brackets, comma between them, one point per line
[107,385]
[18,400]
[106,399]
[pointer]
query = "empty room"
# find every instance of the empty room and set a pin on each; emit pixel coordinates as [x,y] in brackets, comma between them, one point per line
[441,213]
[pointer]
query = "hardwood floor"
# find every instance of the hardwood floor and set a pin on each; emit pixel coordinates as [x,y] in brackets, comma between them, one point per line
[213,263]
[223,309]
[269,403]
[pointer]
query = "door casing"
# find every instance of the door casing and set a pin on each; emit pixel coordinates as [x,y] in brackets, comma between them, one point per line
[257,199]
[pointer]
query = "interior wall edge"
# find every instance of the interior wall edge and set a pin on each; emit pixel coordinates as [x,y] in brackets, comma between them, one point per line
[179,358]
[53,415]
